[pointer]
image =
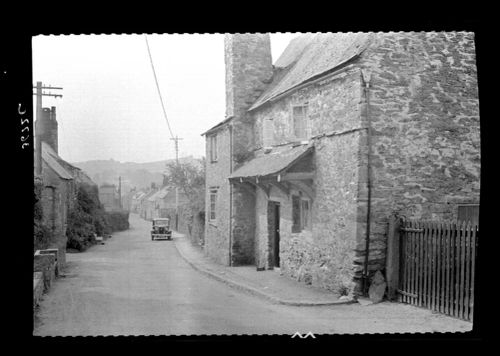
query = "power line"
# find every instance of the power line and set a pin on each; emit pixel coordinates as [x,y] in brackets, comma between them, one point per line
[158,87]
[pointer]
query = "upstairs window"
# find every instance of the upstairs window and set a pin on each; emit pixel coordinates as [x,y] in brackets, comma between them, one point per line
[213,202]
[300,128]
[267,133]
[301,214]
[213,148]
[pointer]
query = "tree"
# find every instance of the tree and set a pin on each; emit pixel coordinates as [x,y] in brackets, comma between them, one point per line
[190,179]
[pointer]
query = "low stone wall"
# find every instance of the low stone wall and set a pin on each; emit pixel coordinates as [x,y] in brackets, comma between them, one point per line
[45,271]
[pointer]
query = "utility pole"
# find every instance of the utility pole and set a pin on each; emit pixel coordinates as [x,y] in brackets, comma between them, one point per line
[120,191]
[38,143]
[39,87]
[176,139]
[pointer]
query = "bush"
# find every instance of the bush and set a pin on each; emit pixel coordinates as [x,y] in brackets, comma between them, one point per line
[86,218]
[42,235]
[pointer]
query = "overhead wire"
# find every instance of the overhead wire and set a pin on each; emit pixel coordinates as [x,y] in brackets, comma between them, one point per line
[158,86]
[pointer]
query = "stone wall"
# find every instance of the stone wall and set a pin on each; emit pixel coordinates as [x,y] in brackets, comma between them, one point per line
[248,70]
[57,199]
[217,232]
[332,105]
[243,225]
[46,127]
[424,111]
[322,256]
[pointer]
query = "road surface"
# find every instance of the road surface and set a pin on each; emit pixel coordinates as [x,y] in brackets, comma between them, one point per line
[135,286]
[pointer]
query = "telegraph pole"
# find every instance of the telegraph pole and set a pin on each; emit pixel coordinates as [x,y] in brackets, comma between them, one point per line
[120,191]
[39,87]
[39,93]
[176,140]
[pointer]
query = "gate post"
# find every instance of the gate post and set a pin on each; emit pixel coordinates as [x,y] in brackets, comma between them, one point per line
[392,260]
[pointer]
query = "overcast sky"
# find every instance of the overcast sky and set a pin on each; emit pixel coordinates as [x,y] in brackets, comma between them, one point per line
[110,107]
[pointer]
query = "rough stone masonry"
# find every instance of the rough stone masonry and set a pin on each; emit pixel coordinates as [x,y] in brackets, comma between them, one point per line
[417,91]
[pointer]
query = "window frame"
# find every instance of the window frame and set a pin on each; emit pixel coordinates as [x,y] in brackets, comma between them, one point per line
[213,148]
[267,132]
[305,221]
[305,122]
[212,205]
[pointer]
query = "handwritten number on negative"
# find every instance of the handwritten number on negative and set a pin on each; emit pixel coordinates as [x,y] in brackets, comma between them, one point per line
[25,123]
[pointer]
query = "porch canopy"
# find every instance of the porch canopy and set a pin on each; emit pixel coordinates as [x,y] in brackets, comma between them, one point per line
[285,167]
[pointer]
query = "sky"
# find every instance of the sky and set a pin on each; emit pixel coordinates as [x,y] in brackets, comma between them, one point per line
[110,107]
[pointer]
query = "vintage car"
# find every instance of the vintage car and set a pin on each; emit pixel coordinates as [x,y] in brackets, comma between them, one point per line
[161,229]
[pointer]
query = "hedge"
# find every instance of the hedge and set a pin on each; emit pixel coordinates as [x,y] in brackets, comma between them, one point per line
[86,219]
[117,220]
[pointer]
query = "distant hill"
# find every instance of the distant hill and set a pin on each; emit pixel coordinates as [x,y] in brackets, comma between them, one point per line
[139,175]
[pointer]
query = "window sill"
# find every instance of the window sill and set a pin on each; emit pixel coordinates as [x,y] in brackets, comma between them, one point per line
[213,223]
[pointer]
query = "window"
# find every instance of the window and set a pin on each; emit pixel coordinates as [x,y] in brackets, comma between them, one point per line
[267,133]
[213,148]
[213,201]
[301,214]
[300,122]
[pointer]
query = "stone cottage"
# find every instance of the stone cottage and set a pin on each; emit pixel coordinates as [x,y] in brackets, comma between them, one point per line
[59,178]
[136,201]
[318,150]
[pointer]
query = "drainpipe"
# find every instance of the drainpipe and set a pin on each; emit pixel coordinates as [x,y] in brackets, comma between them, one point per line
[366,80]
[230,194]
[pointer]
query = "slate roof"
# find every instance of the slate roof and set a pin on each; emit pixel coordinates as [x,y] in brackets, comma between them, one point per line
[310,56]
[219,125]
[280,158]
[52,159]
[148,194]
[138,195]
[163,192]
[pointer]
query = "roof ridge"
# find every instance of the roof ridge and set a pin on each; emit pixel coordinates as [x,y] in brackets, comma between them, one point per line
[323,53]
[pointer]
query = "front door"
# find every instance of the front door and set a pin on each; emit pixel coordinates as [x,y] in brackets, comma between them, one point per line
[273,215]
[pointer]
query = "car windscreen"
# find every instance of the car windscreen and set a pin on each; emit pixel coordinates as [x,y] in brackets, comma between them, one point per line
[161,223]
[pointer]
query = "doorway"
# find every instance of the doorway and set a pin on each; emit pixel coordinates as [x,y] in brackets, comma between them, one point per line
[273,219]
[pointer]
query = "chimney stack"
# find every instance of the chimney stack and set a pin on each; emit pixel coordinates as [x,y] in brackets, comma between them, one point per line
[249,70]
[46,128]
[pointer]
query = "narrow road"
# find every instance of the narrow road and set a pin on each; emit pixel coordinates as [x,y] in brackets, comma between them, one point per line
[135,286]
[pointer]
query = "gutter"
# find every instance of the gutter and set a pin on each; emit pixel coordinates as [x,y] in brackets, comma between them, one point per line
[230,194]
[366,79]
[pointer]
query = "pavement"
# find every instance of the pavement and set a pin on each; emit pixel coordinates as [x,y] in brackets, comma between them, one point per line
[268,284]
[134,286]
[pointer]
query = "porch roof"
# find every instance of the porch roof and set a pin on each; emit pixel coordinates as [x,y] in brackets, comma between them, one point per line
[272,163]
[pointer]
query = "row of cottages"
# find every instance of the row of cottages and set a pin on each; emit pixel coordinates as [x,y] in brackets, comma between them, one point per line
[127,199]
[59,179]
[135,202]
[161,203]
[319,149]
[145,205]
